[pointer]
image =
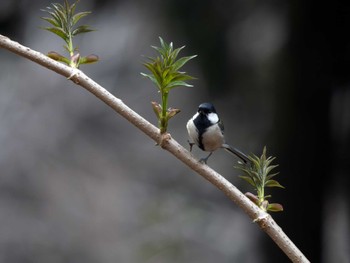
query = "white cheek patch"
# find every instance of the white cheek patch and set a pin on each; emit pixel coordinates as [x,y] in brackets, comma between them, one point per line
[213,117]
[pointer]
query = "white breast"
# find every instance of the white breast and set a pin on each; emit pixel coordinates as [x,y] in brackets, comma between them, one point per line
[213,138]
[192,130]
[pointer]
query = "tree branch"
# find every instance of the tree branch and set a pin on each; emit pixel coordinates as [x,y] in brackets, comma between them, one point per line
[263,219]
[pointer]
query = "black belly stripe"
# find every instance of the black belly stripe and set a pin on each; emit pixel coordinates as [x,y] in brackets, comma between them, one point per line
[202,123]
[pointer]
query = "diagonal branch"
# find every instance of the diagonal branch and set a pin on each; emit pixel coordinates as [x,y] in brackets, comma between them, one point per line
[263,219]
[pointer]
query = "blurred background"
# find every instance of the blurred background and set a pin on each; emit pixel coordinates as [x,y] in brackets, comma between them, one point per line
[80,184]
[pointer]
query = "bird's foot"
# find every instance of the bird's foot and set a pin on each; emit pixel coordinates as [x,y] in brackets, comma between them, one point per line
[204,160]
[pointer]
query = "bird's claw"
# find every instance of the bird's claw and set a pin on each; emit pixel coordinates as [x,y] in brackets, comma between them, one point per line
[203,160]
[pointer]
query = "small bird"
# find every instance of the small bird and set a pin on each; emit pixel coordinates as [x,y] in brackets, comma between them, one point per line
[207,131]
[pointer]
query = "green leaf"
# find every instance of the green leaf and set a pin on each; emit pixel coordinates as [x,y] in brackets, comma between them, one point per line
[60,14]
[263,155]
[57,31]
[58,57]
[165,48]
[81,29]
[269,160]
[156,78]
[180,77]
[56,18]
[176,52]
[88,59]
[79,15]
[152,78]
[274,207]
[271,176]
[270,168]
[273,183]
[165,72]
[247,179]
[52,21]
[71,9]
[255,161]
[177,84]
[182,61]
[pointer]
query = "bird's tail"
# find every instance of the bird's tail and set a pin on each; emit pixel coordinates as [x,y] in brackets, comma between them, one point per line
[236,152]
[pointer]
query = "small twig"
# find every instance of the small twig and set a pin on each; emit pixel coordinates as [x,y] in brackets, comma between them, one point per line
[263,219]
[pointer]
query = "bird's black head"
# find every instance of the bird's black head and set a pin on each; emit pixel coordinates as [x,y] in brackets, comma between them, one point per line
[206,108]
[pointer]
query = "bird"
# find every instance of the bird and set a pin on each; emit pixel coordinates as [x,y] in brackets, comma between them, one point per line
[206,130]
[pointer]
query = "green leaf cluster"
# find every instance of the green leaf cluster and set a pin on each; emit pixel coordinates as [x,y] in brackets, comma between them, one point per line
[63,20]
[258,174]
[165,68]
[166,75]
